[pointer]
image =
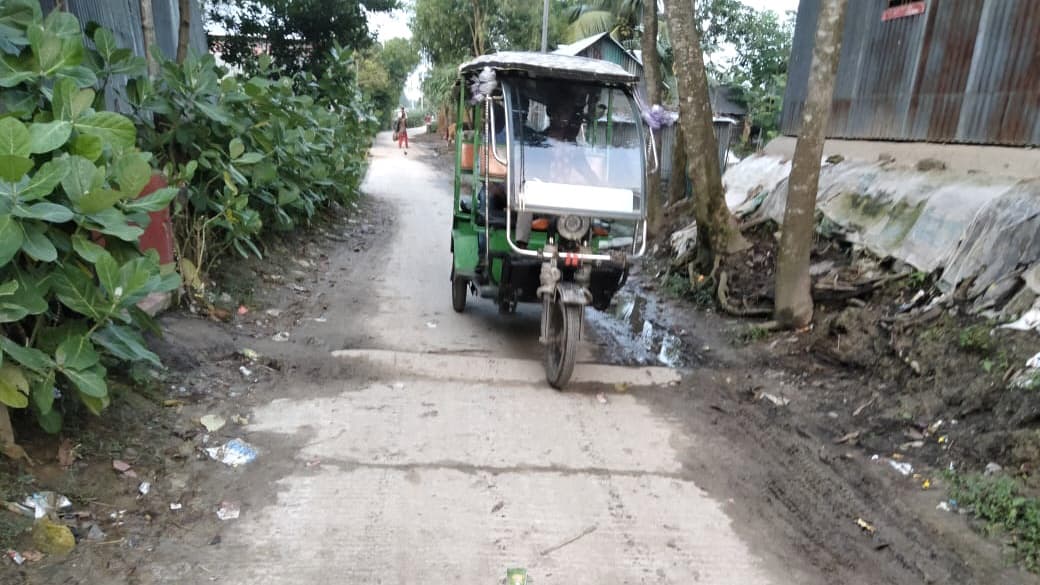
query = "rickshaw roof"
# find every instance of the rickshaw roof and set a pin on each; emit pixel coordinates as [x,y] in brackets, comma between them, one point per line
[551,65]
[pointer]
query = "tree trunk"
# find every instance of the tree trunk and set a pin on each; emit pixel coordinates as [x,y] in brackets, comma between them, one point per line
[652,79]
[148,31]
[794,304]
[184,32]
[717,231]
[677,184]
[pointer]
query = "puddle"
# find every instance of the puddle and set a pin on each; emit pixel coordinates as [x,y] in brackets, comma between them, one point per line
[631,334]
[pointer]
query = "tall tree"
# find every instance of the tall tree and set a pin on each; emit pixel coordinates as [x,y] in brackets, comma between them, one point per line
[450,31]
[716,226]
[298,34]
[794,304]
[184,30]
[383,71]
[148,33]
[652,80]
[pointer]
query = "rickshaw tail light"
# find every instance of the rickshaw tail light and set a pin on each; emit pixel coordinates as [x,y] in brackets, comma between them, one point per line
[600,231]
[540,225]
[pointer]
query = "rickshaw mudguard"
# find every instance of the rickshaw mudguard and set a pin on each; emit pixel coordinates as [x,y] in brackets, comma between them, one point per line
[572,293]
[465,251]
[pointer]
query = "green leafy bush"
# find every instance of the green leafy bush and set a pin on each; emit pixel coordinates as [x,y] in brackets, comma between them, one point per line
[71,271]
[261,152]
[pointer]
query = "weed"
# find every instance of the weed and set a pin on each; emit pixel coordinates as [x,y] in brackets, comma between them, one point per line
[917,278]
[752,334]
[976,339]
[999,501]
[677,286]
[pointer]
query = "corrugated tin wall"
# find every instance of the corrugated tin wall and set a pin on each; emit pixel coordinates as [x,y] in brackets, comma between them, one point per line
[123,17]
[964,71]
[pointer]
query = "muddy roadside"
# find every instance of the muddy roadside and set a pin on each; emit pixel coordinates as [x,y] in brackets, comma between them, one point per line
[143,475]
[809,451]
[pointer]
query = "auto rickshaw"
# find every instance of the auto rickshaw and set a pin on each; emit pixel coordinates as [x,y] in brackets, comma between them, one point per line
[550,177]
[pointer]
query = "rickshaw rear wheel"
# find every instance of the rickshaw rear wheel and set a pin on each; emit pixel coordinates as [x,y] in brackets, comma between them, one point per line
[561,348]
[459,289]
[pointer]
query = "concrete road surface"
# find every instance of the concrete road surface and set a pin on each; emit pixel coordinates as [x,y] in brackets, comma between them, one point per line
[432,450]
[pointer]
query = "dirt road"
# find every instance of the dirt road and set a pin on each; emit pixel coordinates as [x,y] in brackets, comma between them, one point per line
[400,442]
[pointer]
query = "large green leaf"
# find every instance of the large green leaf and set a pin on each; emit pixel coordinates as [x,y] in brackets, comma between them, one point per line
[249,158]
[49,421]
[68,101]
[124,343]
[111,127]
[14,167]
[88,382]
[80,178]
[236,148]
[82,76]
[86,249]
[77,353]
[132,173]
[14,138]
[54,46]
[87,146]
[30,294]
[8,288]
[62,24]
[77,291]
[137,278]
[156,201]
[42,392]
[108,273]
[99,200]
[94,405]
[14,388]
[45,211]
[44,180]
[105,43]
[112,222]
[12,73]
[11,238]
[36,243]
[47,136]
[29,357]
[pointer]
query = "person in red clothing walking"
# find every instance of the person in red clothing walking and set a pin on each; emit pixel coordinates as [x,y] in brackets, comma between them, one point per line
[402,129]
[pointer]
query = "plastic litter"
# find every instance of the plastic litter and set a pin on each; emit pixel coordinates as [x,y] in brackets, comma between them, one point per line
[176,506]
[213,422]
[32,556]
[901,466]
[1029,320]
[602,398]
[273,312]
[992,468]
[431,324]
[943,506]
[249,354]
[243,310]
[52,538]
[144,488]
[44,503]
[866,526]
[121,466]
[281,336]
[1033,362]
[234,453]
[95,533]
[16,557]
[246,372]
[228,511]
[777,400]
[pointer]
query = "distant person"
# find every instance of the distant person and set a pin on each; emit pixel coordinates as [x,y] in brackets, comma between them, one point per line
[402,130]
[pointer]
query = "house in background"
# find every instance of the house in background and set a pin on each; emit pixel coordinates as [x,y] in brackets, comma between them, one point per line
[940,71]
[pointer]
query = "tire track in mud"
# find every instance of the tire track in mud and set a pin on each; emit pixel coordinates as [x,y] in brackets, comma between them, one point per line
[788,481]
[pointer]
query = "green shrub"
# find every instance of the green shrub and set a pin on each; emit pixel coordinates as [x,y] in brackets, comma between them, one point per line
[256,153]
[1000,502]
[71,271]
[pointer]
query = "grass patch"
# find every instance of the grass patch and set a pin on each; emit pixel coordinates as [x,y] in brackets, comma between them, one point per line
[752,334]
[1000,502]
[976,339]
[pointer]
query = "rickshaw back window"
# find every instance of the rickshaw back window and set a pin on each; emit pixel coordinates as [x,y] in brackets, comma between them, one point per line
[574,133]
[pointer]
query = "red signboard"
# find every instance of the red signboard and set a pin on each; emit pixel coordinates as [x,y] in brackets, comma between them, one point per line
[904,10]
